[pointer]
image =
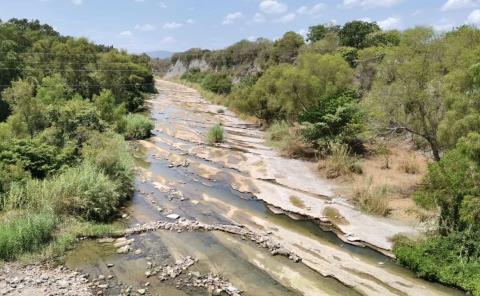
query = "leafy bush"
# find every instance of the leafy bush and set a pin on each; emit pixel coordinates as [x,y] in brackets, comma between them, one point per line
[372,199]
[39,159]
[194,75]
[26,233]
[111,154]
[218,83]
[336,118]
[137,127]
[452,254]
[215,134]
[453,259]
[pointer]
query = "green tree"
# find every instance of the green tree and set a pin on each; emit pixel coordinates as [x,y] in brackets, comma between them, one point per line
[354,33]
[286,49]
[24,104]
[53,90]
[409,94]
[318,32]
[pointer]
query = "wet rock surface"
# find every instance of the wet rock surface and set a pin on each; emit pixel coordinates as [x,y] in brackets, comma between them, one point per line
[213,283]
[262,240]
[210,203]
[40,280]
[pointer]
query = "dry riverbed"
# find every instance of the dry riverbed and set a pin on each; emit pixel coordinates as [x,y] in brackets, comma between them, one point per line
[237,219]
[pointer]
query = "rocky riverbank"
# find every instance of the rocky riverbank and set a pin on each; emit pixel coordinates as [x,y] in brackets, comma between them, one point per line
[40,280]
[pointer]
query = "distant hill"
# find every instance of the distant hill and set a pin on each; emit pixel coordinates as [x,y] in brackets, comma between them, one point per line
[160,54]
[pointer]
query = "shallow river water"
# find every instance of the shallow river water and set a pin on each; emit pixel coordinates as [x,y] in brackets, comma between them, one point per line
[329,266]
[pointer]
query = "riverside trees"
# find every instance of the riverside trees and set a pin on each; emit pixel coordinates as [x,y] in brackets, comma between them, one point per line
[355,81]
[64,108]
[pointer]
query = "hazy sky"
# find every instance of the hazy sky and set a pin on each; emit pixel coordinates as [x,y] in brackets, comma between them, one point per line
[175,25]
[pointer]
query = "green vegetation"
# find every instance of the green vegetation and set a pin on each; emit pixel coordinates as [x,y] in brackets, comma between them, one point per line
[347,85]
[216,134]
[137,127]
[25,233]
[63,156]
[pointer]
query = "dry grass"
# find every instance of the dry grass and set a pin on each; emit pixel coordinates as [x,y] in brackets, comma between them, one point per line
[288,141]
[372,199]
[400,184]
[410,165]
[340,162]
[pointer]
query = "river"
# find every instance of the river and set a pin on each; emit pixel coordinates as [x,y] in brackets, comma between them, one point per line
[242,182]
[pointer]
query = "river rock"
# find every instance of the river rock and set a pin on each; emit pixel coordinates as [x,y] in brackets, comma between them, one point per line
[124,250]
[173,216]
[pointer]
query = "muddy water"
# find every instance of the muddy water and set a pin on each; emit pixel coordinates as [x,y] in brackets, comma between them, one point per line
[246,266]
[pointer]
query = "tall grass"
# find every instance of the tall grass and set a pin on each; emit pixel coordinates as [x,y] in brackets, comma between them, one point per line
[83,191]
[410,166]
[288,140]
[372,199]
[216,134]
[137,126]
[26,233]
[340,162]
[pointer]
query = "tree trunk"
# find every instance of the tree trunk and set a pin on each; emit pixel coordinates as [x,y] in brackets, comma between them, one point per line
[435,149]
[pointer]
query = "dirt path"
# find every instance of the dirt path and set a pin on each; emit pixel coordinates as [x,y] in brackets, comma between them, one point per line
[250,219]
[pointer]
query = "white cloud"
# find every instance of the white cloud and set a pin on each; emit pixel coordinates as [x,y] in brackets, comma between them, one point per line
[259,18]
[287,18]
[232,17]
[77,2]
[314,10]
[252,38]
[474,18]
[172,25]
[370,3]
[162,4]
[272,7]
[145,27]
[126,33]
[458,4]
[390,23]
[190,21]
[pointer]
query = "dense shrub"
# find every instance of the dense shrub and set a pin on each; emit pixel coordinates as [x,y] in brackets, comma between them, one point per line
[37,158]
[452,254]
[336,118]
[26,233]
[218,83]
[111,154]
[83,191]
[137,127]
[194,75]
[215,134]
[453,259]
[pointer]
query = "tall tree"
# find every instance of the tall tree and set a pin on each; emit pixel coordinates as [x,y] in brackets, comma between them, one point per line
[354,33]
[20,97]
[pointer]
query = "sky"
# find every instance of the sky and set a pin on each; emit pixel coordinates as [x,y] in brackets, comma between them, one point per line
[177,25]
